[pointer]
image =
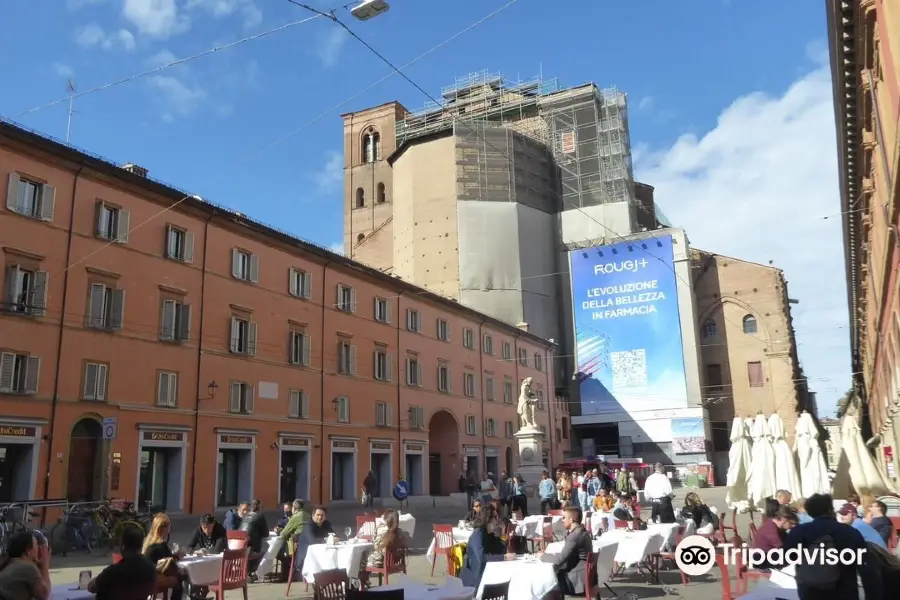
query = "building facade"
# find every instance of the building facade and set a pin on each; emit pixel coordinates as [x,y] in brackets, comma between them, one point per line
[748,348]
[864,37]
[159,348]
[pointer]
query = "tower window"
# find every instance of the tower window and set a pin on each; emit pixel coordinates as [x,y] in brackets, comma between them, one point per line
[360,198]
[371,146]
[381,194]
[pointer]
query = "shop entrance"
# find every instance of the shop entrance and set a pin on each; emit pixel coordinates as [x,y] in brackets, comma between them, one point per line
[85,473]
[473,468]
[16,461]
[343,475]
[434,474]
[235,475]
[160,479]
[380,464]
[492,465]
[414,474]
[294,472]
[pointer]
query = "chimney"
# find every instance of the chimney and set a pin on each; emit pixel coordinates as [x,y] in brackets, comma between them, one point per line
[137,170]
[523,326]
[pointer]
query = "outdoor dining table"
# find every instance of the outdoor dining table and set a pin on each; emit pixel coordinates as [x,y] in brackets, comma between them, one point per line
[69,591]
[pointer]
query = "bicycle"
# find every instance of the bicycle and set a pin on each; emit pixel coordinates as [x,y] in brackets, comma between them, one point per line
[9,526]
[116,520]
[80,529]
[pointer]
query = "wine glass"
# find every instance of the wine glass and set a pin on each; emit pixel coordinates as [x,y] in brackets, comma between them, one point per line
[348,532]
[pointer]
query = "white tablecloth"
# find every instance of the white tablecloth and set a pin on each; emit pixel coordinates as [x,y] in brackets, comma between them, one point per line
[273,547]
[69,591]
[598,521]
[606,550]
[461,535]
[528,580]
[322,557]
[530,527]
[634,546]
[452,589]
[202,570]
[407,524]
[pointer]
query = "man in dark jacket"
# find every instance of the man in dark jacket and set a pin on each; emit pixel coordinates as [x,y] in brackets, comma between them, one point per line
[209,537]
[315,532]
[232,520]
[571,562]
[820,581]
[254,523]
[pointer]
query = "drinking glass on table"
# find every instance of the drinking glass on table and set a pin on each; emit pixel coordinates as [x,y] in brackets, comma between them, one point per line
[348,532]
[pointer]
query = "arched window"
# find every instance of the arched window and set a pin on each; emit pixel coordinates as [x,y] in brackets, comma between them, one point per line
[708,330]
[360,238]
[360,198]
[371,150]
[376,144]
[750,324]
[380,198]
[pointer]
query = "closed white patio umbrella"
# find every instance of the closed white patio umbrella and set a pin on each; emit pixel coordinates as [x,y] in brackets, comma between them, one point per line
[812,470]
[761,480]
[737,497]
[785,468]
[857,470]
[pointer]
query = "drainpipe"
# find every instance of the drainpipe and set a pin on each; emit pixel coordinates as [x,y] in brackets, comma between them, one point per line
[551,393]
[59,340]
[481,394]
[199,359]
[400,454]
[322,393]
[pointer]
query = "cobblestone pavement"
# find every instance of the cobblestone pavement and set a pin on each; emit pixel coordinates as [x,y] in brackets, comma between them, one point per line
[445,511]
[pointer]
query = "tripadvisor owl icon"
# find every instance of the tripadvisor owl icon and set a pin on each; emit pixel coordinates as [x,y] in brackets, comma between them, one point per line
[695,555]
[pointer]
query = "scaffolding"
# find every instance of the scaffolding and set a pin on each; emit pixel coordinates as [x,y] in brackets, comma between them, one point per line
[584,128]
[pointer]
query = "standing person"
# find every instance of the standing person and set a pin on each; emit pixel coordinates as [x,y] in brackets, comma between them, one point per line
[25,571]
[546,491]
[470,488]
[585,497]
[369,485]
[564,490]
[877,519]
[656,487]
[519,500]
[507,491]
[828,582]
[487,488]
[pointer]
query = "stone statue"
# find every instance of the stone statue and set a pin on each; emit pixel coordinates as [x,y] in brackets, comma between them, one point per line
[527,400]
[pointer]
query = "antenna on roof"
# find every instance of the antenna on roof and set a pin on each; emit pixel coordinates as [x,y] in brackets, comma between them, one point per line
[70,87]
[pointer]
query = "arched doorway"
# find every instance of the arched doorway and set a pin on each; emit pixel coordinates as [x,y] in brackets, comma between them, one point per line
[85,465]
[443,457]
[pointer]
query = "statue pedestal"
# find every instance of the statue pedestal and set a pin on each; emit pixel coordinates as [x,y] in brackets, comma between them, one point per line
[531,458]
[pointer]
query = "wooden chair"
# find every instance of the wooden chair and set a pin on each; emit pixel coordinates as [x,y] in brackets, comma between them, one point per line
[495,591]
[331,585]
[295,541]
[237,540]
[394,562]
[727,594]
[443,543]
[233,574]
[745,575]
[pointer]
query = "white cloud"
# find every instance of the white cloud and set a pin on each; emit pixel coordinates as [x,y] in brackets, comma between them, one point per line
[337,247]
[155,18]
[180,99]
[755,187]
[331,175]
[329,48]
[247,9]
[63,70]
[92,35]
[645,103]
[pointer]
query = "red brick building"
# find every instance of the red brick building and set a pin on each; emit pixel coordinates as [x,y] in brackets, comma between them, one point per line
[157,347]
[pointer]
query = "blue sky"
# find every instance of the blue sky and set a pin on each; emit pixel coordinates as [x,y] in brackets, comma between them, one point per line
[729,103]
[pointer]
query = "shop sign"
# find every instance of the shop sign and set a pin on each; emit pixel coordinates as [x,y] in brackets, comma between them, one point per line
[295,442]
[164,436]
[377,446]
[235,439]
[350,445]
[16,431]
[415,448]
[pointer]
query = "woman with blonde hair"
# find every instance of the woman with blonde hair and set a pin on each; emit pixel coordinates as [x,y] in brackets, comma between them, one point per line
[696,510]
[156,549]
[564,490]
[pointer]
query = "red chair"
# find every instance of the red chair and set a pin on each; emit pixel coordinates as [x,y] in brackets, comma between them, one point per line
[233,574]
[620,524]
[752,532]
[443,544]
[555,512]
[295,541]
[365,527]
[394,562]
[727,594]
[723,528]
[745,575]
[116,558]
[237,540]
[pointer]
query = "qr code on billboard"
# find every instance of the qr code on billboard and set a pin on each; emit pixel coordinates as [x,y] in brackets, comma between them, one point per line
[629,368]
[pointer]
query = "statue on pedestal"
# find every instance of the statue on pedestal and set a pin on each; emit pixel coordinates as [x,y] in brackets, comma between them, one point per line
[527,400]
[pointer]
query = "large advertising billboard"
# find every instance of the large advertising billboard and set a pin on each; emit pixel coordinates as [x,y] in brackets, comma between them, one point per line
[627,327]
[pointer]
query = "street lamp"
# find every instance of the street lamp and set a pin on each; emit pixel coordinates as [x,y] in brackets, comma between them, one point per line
[368,9]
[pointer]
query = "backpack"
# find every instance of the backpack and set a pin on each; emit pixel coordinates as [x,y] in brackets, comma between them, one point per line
[818,575]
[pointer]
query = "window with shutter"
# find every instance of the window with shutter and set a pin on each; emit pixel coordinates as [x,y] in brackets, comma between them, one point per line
[471,428]
[538,362]
[507,351]
[382,310]
[523,357]
[30,198]
[167,391]
[26,291]
[243,336]
[443,330]
[113,223]
[244,266]
[755,374]
[299,405]
[509,429]
[299,348]
[507,391]
[106,307]
[241,397]
[382,364]
[179,244]
[381,414]
[19,373]
[469,384]
[95,381]
[412,320]
[299,284]
[468,338]
[488,344]
[413,372]
[343,409]
[346,358]
[443,377]
[489,388]
[346,298]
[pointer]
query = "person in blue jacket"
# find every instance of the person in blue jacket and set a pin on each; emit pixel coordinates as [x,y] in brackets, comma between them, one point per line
[483,547]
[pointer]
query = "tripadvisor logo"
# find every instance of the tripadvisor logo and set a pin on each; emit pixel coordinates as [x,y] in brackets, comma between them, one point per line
[696,555]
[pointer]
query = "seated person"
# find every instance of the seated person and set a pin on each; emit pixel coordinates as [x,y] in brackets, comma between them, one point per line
[623,510]
[388,536]
[570,563]
[254,523]
[847,514]
[696,510]
[483,547]
[282,522]
[232,520]
[294,527]
[156,550]
[879,521]
[209,537]
[604,502]
[134,568]
[315,532]
[772,533]
[25,570]
[472,515]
